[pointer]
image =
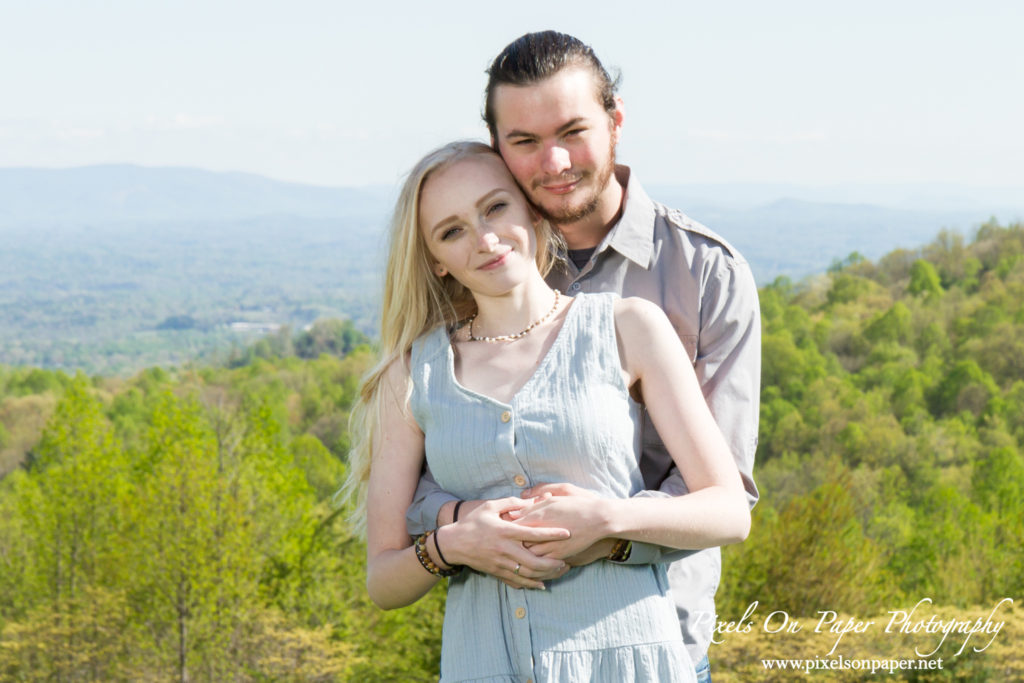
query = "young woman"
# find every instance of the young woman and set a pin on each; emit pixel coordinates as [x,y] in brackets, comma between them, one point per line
[502,383]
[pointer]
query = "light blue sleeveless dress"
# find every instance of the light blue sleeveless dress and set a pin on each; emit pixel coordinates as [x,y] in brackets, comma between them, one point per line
[573,421]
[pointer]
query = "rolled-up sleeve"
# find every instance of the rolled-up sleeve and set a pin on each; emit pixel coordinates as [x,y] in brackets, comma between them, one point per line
[426,504]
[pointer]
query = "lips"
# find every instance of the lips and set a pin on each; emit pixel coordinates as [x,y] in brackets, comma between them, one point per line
[560,185]
[495,262]
[561,189]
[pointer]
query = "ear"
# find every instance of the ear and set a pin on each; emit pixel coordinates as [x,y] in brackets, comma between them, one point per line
[618,117]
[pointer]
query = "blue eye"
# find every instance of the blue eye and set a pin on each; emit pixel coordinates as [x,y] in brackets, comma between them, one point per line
[496,207]
[450,232]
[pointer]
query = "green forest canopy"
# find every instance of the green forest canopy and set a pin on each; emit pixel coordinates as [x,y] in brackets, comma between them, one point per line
[179,523]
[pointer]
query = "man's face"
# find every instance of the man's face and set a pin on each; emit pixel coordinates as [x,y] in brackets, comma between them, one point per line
[559,143]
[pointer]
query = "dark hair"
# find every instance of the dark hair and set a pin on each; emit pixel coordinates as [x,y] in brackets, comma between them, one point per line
[533,57]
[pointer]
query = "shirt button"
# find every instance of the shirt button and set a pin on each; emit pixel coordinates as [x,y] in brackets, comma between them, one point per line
[520,612]
[575,286]
[520,480]
[506,416]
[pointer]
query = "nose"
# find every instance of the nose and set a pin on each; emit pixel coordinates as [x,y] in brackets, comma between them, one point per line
[485,239]
[556,160]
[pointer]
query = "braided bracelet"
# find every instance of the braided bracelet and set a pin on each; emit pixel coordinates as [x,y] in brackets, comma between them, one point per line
[424,557]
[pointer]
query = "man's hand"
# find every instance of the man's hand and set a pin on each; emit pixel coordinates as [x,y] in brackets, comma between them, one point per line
[487,541]
[567,506]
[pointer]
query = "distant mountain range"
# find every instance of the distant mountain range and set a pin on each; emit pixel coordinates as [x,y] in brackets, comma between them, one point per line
[781,229]
[99,265]
[127,193]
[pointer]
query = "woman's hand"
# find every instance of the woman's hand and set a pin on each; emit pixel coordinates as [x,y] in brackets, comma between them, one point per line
[582,512]
[485,539]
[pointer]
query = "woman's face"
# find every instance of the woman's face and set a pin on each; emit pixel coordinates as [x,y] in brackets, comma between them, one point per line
[477,225]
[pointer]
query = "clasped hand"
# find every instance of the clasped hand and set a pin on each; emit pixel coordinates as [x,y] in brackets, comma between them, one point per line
[526,541]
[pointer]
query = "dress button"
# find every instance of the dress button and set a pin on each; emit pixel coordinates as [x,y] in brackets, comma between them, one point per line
[506,416]
[520,612]
[520,480]
[575,286]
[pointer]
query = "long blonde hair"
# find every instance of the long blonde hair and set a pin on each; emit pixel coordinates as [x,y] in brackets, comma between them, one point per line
[415,301]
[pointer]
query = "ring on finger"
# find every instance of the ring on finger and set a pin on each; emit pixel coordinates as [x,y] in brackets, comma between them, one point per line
[516,570]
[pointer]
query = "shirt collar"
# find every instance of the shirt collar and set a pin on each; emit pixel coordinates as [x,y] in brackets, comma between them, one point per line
[633,235]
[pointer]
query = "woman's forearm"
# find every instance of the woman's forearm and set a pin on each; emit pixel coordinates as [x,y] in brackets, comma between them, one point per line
[710,517]
[395,578]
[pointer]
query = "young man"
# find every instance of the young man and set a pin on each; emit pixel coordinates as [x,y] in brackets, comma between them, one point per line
[553,115]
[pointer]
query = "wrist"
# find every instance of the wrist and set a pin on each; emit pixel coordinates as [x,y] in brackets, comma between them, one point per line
[446,514]
[442,559]
[439,549]
[613,515]
[449,539]
[429,557]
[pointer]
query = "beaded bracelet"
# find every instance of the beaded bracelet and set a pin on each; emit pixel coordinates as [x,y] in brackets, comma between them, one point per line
[621,550]
[424,557]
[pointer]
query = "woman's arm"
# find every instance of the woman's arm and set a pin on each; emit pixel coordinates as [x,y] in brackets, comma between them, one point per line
[715,512]
[394,576]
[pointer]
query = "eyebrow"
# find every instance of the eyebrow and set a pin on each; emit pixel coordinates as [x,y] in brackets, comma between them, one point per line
[572,123]
[443,223]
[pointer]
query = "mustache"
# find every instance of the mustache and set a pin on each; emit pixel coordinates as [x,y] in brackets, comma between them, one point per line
[561,179]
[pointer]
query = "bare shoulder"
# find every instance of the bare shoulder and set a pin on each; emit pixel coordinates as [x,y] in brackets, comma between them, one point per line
[396,374]
[634,315]
[644,335]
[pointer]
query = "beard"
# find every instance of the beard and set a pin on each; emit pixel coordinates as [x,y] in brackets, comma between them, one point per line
[571,213]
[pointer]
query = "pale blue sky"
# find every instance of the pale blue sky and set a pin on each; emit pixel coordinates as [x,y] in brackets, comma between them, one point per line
[337,93]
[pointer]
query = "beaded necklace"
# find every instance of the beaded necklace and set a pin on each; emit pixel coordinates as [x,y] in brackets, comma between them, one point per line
[517,335]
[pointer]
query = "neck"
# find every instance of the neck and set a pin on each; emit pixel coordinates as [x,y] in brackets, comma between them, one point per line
[513,311]
[588,232]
